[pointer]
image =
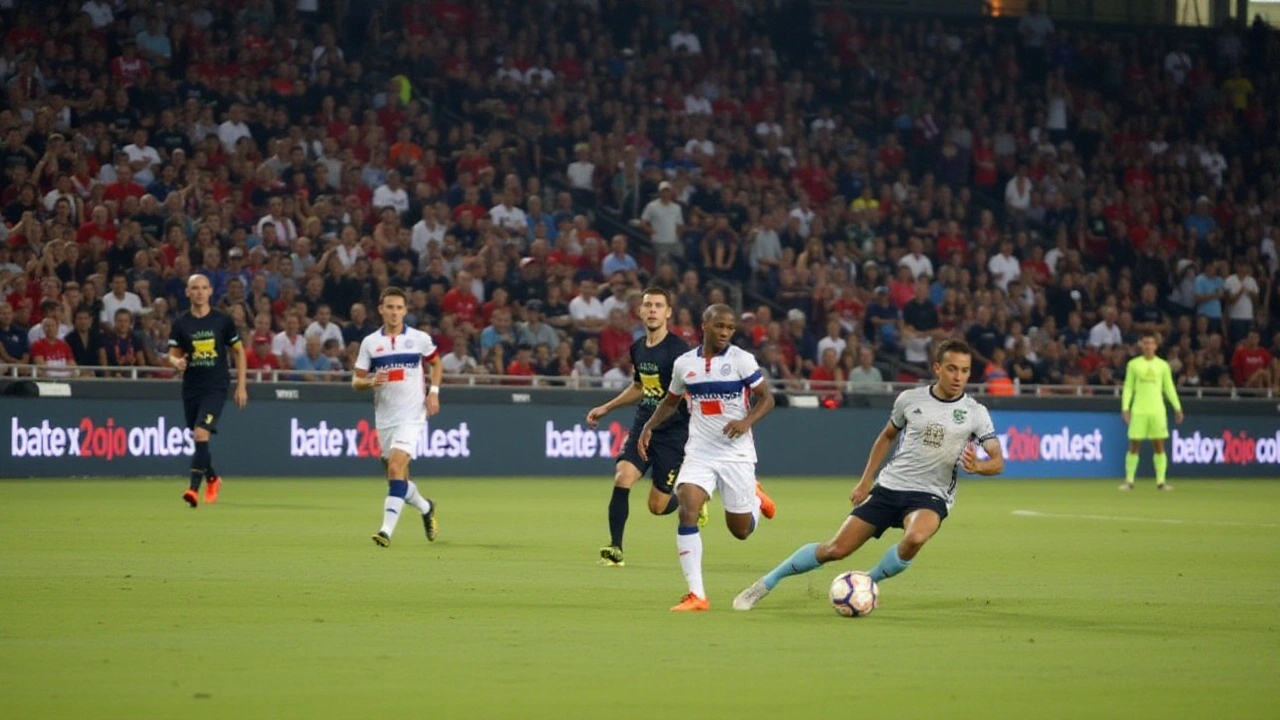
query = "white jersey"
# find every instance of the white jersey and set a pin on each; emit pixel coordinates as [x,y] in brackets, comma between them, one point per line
[719,392]
[403,399]
[934,434]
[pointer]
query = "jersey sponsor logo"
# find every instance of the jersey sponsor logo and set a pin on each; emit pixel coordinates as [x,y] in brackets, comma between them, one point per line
[933,434]
[1026,445]
[95,439]
[715,390]
[578,442]
[710,407]
[651,386]
[395,360]
[204,349]
[395,375]
[1228,448]
[323,440]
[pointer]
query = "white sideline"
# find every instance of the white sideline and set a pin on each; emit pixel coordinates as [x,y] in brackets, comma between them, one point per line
[1122,518]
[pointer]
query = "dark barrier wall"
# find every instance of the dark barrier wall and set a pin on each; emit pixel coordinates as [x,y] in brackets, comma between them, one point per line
[53,438]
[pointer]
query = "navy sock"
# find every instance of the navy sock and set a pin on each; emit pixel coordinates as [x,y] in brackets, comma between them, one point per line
[199,464]
[619,508]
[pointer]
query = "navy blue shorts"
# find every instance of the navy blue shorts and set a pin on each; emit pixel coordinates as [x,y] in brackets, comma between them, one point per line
[666,453]
[887,508]
[203,411]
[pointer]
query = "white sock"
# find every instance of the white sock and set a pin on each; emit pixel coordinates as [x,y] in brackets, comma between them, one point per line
[415,499]
[391,514]
[755,512]
[690,547]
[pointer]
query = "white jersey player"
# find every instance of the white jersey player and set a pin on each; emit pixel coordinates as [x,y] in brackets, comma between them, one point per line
[395,355]
[940,428]
[719,380]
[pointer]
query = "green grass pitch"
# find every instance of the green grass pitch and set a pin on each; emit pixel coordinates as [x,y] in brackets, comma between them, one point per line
[116,601]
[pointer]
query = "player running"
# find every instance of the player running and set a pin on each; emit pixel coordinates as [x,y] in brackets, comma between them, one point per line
[401,403]
[720,380]
[651,357]
[198,345]
[1148,383]
[915,490]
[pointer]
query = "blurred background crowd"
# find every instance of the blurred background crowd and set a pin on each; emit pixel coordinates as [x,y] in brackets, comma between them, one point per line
[858,186]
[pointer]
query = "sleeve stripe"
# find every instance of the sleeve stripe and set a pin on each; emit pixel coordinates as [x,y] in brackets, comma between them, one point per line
[988,436]
[891,422]
[753,379]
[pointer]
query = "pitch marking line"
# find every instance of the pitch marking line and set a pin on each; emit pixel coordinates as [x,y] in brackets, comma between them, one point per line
[1122,518]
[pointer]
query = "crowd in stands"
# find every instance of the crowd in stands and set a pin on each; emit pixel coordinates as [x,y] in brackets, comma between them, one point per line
[860,186]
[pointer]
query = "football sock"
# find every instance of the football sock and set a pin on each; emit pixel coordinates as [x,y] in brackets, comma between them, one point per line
[891,563]
[396,491]
[209,472]
[414,498]
[1130,466]
[672,505]
[1161,461]
[619,508]
[199,464]
[801,561]
[755,513]
[689,543]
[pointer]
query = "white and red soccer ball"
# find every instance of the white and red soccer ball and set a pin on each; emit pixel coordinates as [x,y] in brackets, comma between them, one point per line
[854,594]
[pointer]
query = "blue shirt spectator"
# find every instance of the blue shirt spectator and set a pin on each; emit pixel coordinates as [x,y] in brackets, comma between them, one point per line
[1209,284]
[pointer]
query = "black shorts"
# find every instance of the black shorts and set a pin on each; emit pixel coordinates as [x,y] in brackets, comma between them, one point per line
[887,508]
[204,410]
[666,452]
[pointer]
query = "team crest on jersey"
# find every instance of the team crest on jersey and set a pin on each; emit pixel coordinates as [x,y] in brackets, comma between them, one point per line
[726,370]
[959,415]
[408,344]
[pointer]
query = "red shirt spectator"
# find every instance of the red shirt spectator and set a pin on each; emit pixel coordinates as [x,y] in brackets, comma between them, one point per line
[460,302]
[521,368]
[52,351]
[1246,361]
[614,343]
[104,229]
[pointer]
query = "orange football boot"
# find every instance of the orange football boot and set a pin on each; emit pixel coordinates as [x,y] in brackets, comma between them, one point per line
[191,498]
[767,508]
[211,488]
[692,603]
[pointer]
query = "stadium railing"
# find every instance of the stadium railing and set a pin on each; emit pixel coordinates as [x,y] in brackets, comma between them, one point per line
[793,388]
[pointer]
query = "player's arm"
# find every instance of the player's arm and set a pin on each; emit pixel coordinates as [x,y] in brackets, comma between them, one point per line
[630,395]
[993,465]
[242,374]
[665,410]
[361,379]
[436,365]
[1170,391]
[879,453]
[763,404]
[1126,395]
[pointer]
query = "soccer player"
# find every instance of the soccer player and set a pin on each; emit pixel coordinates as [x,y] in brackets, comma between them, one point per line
[198,344]
[395,355]
[939,426]
[1146,379]
[720,379]
[652,358]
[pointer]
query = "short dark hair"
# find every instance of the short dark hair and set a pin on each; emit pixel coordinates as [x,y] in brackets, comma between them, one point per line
[952,346]
[1149,334]
[393,291]
[655,290]
[717,309]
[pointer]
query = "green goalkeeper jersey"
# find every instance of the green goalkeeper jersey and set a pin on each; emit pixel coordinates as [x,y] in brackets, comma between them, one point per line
[1147,384]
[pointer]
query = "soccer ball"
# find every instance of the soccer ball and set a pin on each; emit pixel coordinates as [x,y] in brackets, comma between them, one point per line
[854,594]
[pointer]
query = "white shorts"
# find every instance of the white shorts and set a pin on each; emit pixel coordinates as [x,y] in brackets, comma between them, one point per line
[735,480]
[401,437]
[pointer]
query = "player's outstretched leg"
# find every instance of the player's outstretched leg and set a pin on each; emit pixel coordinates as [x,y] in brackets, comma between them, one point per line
[624,476]
[918,527]
[1161,462]
[689,546]
[425,506]
[200,462]
[391,507]
[852,534]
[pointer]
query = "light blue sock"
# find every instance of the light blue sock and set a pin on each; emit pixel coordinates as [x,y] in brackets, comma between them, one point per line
[801,561]
[890,564]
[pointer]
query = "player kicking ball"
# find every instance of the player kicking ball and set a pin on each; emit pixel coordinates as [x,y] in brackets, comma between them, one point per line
[198,346]
[1148,383]
[402,401]
[721,380]
[938,425]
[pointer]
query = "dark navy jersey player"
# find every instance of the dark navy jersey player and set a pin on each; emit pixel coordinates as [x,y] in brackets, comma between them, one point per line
[652,357]
[199,343]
